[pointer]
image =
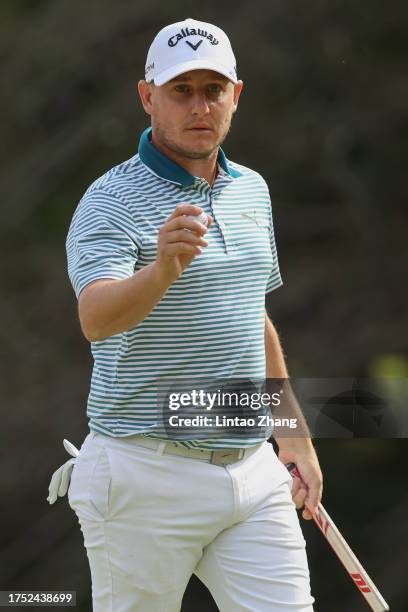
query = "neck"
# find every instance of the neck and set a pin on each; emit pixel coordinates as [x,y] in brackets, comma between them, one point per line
[203,168]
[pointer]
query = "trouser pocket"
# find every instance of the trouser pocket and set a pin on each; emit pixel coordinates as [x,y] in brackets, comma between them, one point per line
[100,485]
[89,492]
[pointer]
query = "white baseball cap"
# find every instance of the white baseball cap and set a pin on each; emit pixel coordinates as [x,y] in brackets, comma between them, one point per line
[189,45]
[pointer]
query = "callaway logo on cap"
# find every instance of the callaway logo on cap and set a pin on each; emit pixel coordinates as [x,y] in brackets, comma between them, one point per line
[189,45]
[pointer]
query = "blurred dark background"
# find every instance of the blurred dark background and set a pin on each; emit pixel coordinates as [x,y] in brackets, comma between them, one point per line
[323,118]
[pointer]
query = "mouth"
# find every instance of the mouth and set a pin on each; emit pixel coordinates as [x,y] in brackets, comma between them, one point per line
[200,128]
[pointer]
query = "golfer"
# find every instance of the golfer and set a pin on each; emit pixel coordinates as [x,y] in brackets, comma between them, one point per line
[170,254]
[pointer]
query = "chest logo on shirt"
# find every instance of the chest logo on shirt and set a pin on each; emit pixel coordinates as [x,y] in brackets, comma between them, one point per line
[252,218]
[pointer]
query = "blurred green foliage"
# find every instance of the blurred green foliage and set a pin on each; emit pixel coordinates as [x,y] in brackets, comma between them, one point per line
[323,118]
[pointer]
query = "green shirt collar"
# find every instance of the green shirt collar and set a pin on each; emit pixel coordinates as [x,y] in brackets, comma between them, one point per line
[166,168]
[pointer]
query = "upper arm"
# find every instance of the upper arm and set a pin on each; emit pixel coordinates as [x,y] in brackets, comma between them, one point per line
[90,292]
[268,321]
[102,241]
[275,279]
[88,298]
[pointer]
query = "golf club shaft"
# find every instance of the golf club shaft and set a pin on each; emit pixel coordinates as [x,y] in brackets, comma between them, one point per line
[356,571]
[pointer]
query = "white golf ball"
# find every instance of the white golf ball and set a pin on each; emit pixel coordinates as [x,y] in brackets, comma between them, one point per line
[202,218]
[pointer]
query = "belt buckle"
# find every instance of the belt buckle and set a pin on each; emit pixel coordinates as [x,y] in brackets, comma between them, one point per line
[222,457]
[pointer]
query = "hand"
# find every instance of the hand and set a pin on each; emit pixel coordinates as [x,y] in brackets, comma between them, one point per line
[306,490]
[181,239]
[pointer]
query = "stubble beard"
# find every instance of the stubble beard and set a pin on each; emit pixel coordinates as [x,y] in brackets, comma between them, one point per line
[164,139]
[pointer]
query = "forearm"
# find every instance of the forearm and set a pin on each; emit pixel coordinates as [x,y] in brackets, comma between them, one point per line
[109,307]
[274,360]
[278,381]
[295,446]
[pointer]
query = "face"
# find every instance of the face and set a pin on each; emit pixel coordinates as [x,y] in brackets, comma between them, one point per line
[191,114]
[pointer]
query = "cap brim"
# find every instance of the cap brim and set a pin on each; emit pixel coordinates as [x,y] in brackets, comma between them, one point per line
[170,73]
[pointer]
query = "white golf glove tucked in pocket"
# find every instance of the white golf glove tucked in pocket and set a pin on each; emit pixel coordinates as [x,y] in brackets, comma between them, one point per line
[61,478]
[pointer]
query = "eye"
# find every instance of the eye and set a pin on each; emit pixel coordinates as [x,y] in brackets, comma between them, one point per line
[214,88]
[180,88]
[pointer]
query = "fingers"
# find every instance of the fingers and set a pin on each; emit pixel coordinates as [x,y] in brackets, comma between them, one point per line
[314,495]
[184,215]
[180,248]
[296,482]
[186,235]
[182,235]
[307,515]
[185,209]
[308,484]
[300,496]
[185,222]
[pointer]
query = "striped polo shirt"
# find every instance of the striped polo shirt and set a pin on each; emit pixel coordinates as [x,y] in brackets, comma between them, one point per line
[210,322]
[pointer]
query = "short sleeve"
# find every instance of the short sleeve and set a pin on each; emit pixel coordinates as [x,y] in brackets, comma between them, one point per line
[274,280]
[102,240]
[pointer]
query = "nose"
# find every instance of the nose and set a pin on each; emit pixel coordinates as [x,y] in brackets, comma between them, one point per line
[200,104]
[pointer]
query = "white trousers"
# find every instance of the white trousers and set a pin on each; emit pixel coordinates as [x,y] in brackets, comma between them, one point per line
[151,520]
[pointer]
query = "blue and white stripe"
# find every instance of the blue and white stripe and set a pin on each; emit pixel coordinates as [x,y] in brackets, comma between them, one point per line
[210,323]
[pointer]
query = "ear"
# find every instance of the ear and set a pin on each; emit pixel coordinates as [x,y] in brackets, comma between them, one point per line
[145,90]
[237,92]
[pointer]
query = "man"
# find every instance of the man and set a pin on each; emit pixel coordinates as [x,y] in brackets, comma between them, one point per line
[170,255]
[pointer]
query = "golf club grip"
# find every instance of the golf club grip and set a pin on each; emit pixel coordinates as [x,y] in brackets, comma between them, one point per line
[356,571]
